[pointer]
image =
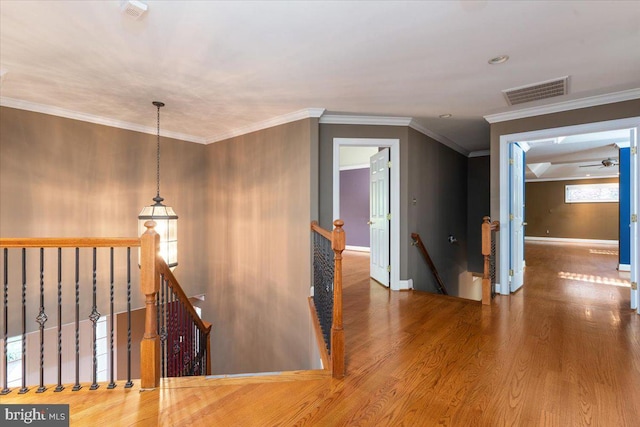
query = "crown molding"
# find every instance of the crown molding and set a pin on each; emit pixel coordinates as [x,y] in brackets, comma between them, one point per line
[480,153]
[441,139]
[339,119]
[74,115]
[590,101]
[265,124]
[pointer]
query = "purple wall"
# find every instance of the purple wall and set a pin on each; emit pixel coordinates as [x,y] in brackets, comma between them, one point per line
[354,205]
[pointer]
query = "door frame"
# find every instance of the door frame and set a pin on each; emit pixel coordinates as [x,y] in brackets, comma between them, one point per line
[394,186]
[505,140]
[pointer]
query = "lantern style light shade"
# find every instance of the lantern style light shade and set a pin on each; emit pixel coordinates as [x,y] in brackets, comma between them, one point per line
[165,218]
[166,226]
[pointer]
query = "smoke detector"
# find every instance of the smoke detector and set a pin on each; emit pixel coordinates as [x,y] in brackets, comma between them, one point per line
[537,91]
[133,8]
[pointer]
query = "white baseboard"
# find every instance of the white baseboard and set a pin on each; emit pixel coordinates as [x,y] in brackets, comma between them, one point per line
[498,288]
[569,240]
[624,267]
[357,248]
[404,285]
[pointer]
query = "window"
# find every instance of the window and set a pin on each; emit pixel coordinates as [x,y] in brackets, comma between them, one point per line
[591,193]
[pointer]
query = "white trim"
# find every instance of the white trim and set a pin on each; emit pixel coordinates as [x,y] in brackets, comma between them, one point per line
[498,288]
[354,167]
[339,119]
[89,118]
[481,153]
[405,285]
[568,240]
[394,183]
[441,139]
[269,123]
[574,178]
[590,101]
[624,267]
[358,248]
[503,160]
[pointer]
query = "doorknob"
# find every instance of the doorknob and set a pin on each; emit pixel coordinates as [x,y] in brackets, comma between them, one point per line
[369,222]
[524,223]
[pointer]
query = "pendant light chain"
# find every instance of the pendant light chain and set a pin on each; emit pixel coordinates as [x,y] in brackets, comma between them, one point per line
[158,155]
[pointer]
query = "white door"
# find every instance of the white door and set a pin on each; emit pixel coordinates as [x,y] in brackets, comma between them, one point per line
[516,215]
[635,204]
[378,216]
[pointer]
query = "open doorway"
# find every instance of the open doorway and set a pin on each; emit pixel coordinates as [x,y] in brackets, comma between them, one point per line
[393,197]
[560,138]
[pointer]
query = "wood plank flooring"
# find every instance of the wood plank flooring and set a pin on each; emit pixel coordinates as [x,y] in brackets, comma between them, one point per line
[562,351]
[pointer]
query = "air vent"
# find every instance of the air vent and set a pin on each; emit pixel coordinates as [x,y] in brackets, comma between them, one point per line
[133,8]
[537,91]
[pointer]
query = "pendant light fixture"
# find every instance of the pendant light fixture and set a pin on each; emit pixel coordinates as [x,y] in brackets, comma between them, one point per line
[165,218]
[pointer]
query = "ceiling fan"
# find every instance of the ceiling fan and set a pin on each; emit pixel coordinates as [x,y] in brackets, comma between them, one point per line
[606,163]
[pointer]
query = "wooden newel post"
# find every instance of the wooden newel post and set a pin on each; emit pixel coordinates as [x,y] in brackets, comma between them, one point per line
[486,252]
[150,284]
[337,333]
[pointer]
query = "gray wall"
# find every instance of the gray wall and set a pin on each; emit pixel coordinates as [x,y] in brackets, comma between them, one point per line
[438,182]
[478,206]
[259,209]
[67,178]
[545,209]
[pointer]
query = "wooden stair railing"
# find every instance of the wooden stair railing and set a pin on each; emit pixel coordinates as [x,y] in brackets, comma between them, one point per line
[153,271]
[417,241]
[489,253]
[326,302]
[156,356]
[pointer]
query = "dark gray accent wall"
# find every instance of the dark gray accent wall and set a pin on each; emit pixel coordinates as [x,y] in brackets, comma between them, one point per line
[546,210]
[66,178]
[438,183]
[260,199]
[354,205]
[478,206]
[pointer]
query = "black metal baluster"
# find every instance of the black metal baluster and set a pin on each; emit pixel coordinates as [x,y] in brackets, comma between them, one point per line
[163,329]
[77,385]
[5,388]
[94,317]
[129,383]
[59,387]
[41,319]
[24,388]
[112,384]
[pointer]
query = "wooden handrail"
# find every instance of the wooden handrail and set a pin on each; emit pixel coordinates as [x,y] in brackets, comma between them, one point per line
[418,242]
[69,242]
[325,233]
[338,243]
[204,327]
[487,228]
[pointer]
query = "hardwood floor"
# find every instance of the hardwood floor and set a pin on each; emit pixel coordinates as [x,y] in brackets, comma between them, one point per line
[563,351]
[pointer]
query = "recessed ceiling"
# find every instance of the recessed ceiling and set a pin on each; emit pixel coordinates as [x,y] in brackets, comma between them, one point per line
[223,66]
[576,156]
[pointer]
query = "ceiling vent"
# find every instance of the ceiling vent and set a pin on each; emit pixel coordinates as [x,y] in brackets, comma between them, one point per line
[133,8]
[537,91]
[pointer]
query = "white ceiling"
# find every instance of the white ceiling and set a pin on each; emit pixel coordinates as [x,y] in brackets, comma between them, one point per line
[223,66]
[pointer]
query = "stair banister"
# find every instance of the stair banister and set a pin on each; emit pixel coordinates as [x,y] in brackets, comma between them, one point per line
[150,284]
